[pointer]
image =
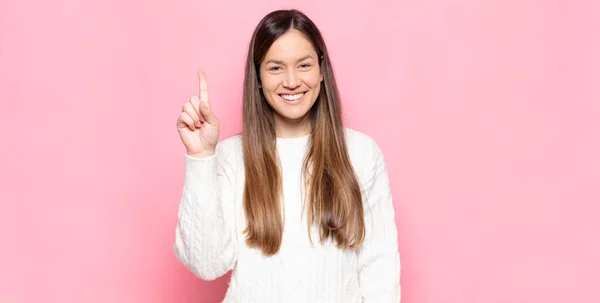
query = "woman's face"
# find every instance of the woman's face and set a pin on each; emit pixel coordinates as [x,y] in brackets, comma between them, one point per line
[291,78]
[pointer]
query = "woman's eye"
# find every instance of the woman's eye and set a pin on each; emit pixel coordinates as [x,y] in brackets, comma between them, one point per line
[305,65]
[274,68]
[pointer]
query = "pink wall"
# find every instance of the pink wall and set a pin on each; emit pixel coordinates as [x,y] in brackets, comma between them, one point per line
[488,113]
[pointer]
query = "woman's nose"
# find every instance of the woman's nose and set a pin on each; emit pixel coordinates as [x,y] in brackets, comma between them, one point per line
[291,81]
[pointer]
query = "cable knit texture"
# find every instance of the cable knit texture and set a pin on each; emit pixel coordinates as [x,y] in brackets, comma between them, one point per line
[210,242]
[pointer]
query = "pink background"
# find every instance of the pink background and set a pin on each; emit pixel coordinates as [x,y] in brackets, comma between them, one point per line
[488,113]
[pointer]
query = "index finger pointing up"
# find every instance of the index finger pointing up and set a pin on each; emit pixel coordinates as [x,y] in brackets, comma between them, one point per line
[203,88]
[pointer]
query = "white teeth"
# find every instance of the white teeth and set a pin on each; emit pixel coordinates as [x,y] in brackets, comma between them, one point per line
[292,97]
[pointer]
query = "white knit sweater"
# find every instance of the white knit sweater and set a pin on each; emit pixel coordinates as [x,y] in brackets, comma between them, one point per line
[210,242]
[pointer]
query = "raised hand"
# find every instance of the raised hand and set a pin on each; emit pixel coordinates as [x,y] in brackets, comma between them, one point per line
[197,125]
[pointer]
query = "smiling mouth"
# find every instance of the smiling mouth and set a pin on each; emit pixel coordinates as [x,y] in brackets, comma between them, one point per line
[294,97]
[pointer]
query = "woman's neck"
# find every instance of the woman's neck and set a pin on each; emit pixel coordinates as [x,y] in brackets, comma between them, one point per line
[292,129]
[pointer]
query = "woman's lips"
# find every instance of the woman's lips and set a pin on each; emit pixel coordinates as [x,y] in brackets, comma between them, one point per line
[292,98]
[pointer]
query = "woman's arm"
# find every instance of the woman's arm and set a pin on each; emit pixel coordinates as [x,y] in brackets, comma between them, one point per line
[378,256]
[205,237]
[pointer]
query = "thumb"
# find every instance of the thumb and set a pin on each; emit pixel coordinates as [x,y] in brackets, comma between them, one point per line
[208,114]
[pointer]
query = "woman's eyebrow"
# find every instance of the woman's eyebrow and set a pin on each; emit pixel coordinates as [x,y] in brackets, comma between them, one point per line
[281,62]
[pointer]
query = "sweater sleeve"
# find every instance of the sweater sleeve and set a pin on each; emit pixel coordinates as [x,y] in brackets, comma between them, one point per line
[378,256]
[205,237]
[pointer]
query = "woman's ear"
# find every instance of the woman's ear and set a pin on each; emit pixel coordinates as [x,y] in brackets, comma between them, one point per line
[321,67]
[257,72]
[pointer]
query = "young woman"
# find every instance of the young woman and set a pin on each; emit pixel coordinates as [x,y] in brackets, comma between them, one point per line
[297,205]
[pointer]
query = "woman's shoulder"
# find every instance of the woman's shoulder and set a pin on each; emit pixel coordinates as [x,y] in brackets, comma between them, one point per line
[360,142]
[362,148]
[231,141]
[367,158]
[230,146]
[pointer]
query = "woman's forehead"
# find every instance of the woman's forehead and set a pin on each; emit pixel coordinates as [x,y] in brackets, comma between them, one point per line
[292,45]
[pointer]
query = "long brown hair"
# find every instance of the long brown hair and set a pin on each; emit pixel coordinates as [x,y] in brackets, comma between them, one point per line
[334,201]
